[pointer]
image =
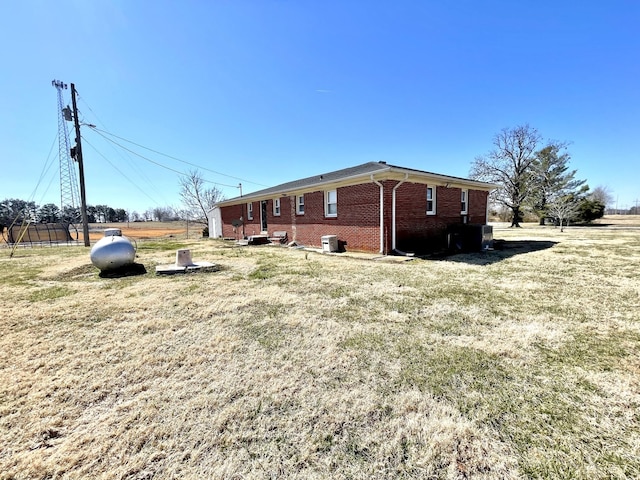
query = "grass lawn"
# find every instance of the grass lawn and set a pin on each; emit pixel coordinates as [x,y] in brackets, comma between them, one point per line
[518,363]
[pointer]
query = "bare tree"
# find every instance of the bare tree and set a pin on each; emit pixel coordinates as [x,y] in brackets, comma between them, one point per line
[564,207]
[162,214]
[508,165]
[603,195]
[197,199]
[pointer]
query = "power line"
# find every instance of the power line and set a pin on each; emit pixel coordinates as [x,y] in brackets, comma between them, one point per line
[93,127]
[154,162]
[49,162]
[122,153]
[122,173]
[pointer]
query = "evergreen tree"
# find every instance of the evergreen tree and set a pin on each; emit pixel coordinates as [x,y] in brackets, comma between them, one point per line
[554,182]
[48,213]
[590,209]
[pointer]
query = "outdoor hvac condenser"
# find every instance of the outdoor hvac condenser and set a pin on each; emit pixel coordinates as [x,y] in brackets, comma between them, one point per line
[470,238]
[329,243]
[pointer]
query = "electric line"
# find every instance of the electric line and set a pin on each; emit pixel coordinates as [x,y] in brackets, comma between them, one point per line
[121,173]
[122,153]
[93,127]
[101,132]
[48,163]
[153,161]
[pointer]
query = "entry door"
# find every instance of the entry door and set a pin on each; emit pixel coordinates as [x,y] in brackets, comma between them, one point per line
[263,215]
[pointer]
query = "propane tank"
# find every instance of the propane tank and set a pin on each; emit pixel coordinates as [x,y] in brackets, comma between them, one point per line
[112,251]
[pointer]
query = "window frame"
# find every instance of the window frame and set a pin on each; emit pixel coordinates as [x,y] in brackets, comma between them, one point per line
[327,204]
[432,210]
[299,204]
[276,207]
[464,201]
[250,211]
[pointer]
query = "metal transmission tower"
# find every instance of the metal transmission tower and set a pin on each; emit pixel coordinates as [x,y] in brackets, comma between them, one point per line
[69,204]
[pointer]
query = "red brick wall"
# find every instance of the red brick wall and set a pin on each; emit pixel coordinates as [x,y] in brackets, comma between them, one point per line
[415,230]
[358,222]
[251,226]
[478,206]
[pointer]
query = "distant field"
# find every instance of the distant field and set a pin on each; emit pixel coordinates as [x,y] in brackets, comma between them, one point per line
[146,230]
[607,220]
[522,362]
[622,220]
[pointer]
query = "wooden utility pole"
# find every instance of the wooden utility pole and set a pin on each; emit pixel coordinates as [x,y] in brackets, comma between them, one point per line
[83,198]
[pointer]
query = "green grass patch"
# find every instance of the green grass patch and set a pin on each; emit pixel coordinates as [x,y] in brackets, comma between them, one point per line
[13,276]
[594,351]
[271,335]
[50,293]
[160,245]
[535,408]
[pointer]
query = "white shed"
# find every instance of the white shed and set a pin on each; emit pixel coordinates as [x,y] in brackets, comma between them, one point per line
[215,223]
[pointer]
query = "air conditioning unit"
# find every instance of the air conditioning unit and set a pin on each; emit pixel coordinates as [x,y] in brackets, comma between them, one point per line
[469,238]
[487,237]
[329,243]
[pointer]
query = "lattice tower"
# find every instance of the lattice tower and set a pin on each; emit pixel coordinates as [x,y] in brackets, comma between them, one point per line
[69,203]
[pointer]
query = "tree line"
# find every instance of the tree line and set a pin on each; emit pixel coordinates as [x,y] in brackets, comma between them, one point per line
[18,210]
[15,210]
[533,176]
[197,201]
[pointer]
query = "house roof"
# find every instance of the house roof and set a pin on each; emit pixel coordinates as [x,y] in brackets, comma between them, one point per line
[354,175]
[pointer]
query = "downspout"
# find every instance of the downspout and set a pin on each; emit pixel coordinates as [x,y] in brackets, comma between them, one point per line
[393,215]
[381,214]
[486,214]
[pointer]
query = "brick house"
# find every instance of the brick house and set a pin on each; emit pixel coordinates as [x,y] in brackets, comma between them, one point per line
[373,207]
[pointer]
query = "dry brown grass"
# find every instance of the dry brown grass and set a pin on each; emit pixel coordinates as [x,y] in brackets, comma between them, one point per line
[519,363]
[622,220]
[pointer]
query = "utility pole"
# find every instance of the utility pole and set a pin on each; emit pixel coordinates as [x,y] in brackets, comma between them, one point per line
[83,198]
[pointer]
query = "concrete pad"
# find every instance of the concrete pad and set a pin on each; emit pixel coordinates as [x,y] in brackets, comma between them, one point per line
[172,268]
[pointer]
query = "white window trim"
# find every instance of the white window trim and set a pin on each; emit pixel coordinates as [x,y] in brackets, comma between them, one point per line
[464,192]
[276,207]
[433,201]
[299,204]
[326,203]
[250,211]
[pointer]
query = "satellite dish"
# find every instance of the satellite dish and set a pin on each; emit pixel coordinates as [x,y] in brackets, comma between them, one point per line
[236,223]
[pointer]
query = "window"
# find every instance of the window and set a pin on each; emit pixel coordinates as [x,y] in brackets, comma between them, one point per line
[331,203]
[431,201]
[276,207]
[464,201]
[300,204]
[250,211]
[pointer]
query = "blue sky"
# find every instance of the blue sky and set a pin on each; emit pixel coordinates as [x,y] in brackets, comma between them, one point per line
[263,92]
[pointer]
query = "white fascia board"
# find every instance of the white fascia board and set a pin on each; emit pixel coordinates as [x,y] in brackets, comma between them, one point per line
[441,180]
[386,173]
[315,187]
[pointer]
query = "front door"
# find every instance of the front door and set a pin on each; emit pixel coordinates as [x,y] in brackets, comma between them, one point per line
[263,215]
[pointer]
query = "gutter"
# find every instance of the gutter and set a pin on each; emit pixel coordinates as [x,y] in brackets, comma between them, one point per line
[255,196]
[387,170]
[381,214]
